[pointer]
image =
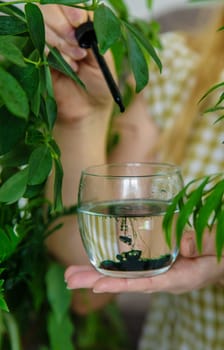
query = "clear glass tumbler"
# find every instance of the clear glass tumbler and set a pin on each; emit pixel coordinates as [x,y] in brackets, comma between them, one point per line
[120,213]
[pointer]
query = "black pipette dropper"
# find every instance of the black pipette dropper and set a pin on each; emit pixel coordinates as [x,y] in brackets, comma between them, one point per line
[86,37]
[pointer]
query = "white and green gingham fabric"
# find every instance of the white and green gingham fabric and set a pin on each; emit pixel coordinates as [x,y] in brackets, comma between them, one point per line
[191,321]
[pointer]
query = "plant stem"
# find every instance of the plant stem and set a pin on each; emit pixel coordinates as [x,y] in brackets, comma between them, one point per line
[13,331]
[16,2]
[38,64]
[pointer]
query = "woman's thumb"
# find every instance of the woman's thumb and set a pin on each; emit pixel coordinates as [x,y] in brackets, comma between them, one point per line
[189,248]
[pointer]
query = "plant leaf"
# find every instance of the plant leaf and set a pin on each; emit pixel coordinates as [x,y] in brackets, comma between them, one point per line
[9,239]
[194,199]
[149,4]
[3,304]
[168,218]
[211,205]
[36,101]
[9,136]
[60,333]
[51,109]
[220,100]
[36,27]
[14,188]
[58,296]
[107,27]
[219,119]
[16,157]
[57,62]
[40,165]
[118,50]
[63,2]
[28,78]
[120,7]
[13,331]
[50,103]
[12,26]
[214,109]
[48,81]
[220,234]
[145,43]
[213,88]
[58,206]
[10,51]
[13,95]
[138,62]
[12,10]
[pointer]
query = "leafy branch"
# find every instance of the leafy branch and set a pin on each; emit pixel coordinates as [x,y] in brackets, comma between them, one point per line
[30,102]
[218,106]
[201,207]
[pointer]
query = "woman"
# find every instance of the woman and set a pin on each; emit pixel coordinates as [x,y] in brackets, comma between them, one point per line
[163,122]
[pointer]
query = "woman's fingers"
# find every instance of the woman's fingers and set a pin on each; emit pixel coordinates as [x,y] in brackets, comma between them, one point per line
[185,275]
[71,270]
[73,51]
[63,20]
[75,16]
[87,277]
[177,280]
[81,277]
[60,33]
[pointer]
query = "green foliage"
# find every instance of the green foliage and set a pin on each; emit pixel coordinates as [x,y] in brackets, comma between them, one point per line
[60,334]
[138,62]
[28,153]
[64,2]
[95,330]
[218,107]
[35,24]
[13,333]
[3,305]
[14,188]
[128,40]
[201,205]
[19,95]
[144,43]
[10,51]
[11,26]
[60,327]
[14,135]
[40,159]
[120,7]
[13,96]
[104,21]
[57,62]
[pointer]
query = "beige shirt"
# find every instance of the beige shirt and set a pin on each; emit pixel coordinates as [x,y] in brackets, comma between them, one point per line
[191,321]
[168,92]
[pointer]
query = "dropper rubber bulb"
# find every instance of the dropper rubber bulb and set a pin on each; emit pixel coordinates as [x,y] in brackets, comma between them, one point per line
[86,37]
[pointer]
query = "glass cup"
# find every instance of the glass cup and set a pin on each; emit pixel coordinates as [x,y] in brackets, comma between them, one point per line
[120,213]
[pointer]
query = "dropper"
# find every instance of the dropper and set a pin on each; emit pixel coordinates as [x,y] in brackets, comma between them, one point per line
[86,37]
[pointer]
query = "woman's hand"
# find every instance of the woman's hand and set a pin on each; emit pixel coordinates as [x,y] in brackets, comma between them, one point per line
[74,102]
[191,271]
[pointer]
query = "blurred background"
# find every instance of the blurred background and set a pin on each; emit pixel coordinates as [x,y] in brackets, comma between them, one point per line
[160,6]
